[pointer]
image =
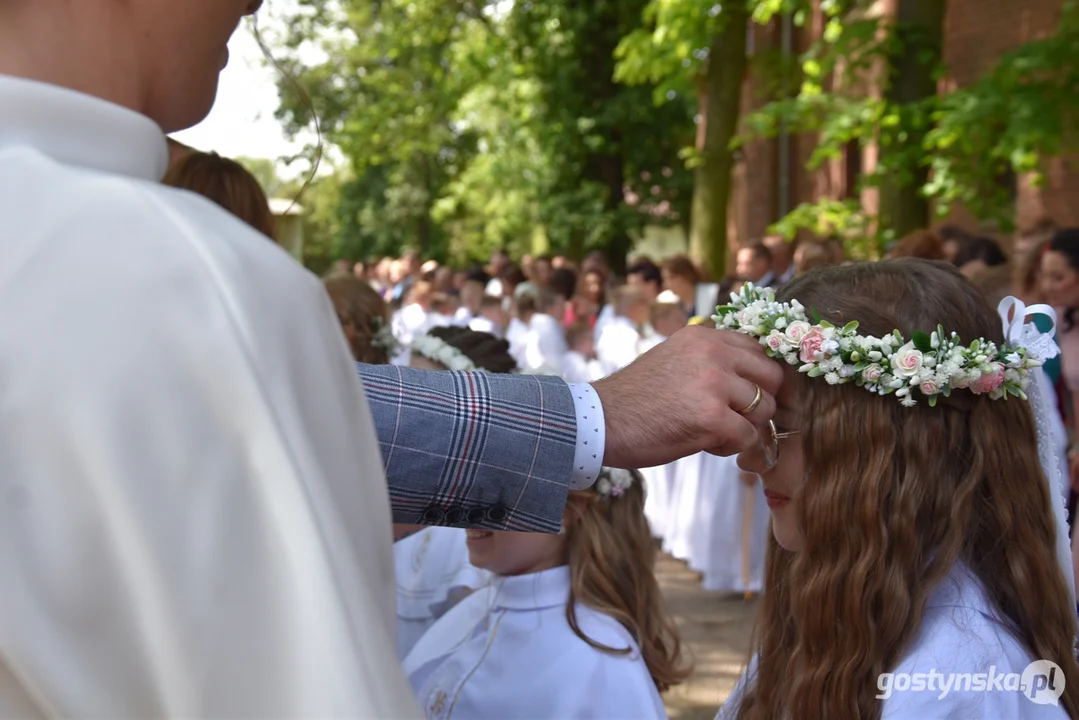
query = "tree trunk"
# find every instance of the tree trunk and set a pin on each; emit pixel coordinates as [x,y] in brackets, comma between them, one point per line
[723,100]
[920,31]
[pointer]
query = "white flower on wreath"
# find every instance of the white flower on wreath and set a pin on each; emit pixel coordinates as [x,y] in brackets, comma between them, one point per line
[442,352]
[872,373]
[797,330]
[613,482]
[907,361]
[777,342]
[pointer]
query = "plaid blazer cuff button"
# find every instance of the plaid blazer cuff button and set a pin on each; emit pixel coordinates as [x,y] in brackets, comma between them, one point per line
[497,513]
[433,515]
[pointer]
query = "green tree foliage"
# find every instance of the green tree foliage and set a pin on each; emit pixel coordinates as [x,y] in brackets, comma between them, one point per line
[697,46]
[469,126]
[1025,110]
[936,149]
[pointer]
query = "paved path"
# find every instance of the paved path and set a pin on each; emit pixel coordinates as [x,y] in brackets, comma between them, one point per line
[717,628]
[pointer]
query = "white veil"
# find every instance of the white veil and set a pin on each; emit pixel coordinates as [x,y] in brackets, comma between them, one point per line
[1042,346]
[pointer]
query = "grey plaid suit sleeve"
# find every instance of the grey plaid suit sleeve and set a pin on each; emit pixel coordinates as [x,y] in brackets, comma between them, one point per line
[474,449]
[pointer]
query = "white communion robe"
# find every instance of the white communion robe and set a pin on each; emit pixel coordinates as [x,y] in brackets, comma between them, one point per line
[546,343]
[617,344]
[508,652]
[433,574]
[194,520]
[960,634]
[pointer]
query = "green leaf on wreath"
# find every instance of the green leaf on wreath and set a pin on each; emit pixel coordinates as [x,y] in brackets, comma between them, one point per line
[922,341]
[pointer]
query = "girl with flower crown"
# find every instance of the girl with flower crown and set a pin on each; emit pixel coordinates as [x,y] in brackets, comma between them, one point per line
[569,625]
[915,553]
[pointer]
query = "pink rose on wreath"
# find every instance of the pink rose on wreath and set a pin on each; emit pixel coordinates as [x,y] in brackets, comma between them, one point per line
[810,347]
[796,331]
[775,341]
[990,381]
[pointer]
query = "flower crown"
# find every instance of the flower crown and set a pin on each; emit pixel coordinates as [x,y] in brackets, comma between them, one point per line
[935,364]
[613,482]
[440,351]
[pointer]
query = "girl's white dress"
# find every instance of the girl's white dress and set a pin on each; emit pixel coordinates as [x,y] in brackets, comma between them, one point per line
[433,574]
[961,646]
[508,651]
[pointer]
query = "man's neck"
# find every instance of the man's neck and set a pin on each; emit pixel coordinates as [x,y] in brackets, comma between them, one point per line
[41,42]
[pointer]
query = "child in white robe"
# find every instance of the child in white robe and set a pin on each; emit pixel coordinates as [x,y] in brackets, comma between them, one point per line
[914,552]
[433,574]
[579,364]
[571,627]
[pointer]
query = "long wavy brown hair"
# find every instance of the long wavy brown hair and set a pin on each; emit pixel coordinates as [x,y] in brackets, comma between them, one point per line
[892,499]
[612,561]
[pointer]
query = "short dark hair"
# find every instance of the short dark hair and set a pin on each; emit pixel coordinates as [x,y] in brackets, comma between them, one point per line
[648,271]
[760,252]
[564,282]
[985,249]
[477,274]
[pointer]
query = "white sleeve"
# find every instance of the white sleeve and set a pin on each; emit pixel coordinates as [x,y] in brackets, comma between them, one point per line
[591,436]
[193,518]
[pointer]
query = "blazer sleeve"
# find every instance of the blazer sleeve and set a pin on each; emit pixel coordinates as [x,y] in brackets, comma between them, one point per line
[474,449]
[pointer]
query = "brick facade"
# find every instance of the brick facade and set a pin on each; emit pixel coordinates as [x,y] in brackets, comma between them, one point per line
[975,38]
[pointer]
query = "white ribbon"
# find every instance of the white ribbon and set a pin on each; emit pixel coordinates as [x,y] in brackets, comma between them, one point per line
[1041,346]
[1014,314]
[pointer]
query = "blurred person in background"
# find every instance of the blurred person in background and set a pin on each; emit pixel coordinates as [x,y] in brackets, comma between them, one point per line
[410,272]
[954,239]
[645,275]
[491,318]
[978,254]
[517,328]
[754,264]
[681,277]
[508,281]
[618,343]
[546,342]
[812,255]
[443,309]
[564,282]
[579,364]
[1060,286]
[782,255]
[498,262]
[472,295]
[413,318]
[666,316]
[924,244]
[442,279]
[591,297]
[1033,236]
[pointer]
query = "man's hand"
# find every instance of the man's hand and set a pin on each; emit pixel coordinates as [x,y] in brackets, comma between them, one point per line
[684,396]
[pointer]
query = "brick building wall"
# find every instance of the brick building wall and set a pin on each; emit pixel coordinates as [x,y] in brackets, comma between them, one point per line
[977,34]
[975,40]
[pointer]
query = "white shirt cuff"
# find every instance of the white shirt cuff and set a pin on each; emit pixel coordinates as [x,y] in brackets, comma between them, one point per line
[591,436]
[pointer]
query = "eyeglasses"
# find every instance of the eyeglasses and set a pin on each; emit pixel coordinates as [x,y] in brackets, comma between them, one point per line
[769,438]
